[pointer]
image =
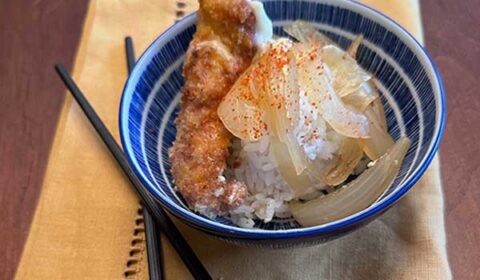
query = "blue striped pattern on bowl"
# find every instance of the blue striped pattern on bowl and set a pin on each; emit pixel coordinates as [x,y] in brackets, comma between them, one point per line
[411,88]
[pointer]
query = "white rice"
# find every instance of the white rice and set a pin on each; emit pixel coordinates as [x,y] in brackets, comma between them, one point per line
[268,193]
[322,147]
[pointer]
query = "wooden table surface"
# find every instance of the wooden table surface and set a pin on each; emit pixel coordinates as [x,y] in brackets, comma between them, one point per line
[36,34]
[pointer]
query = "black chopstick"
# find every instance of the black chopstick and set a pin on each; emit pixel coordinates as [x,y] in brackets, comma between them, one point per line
[185,252]
[152,232]
[154,247]
[130,52]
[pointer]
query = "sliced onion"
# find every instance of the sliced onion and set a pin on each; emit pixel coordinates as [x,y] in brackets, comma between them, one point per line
[282,108]
[379,112]
[290,150]
[283,97]
[239,110]
[361,98]
[293,166]
[299,183]
[336,170]
[353,48]
[315,79]
[356,196]
[348,76]
[241,115]
[305,32]
[380,140]
[348,156]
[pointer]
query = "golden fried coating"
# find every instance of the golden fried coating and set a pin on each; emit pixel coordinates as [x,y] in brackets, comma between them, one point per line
[220,51]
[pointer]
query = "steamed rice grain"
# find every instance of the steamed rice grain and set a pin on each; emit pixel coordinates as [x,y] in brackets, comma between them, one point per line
[268,194]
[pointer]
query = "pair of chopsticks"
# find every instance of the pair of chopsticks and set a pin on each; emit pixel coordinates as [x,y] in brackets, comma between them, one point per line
[154,216]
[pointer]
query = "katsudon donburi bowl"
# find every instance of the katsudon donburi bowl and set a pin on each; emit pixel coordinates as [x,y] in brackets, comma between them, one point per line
[320,124]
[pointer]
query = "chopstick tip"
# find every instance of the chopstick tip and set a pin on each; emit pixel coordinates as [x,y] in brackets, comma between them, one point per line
[59,67]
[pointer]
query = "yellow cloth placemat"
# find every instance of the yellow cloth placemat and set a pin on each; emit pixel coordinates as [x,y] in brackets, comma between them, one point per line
[84,222]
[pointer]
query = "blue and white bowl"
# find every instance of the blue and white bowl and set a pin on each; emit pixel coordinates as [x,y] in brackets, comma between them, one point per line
[412,90]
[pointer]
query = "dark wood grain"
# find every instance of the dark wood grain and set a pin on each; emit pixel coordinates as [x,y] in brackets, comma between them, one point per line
[33,36]
[36,34]
[453,38]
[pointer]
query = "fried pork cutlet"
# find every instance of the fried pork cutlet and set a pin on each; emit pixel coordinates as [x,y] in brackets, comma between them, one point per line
[222,48]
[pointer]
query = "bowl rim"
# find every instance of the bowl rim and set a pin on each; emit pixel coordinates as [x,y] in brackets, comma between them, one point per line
[238,232]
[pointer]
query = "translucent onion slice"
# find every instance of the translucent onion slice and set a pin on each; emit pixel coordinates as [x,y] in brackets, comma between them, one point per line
[290,150]
[306,33]
[290,157]
[336,170]
[361,98]
[282,108]
[379,112]
[380,140]
[282,94]
[353,48]
[356,196]
[299,183]
[367,100]
[348,156]
[239,110]
[315,79]
[348,76]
